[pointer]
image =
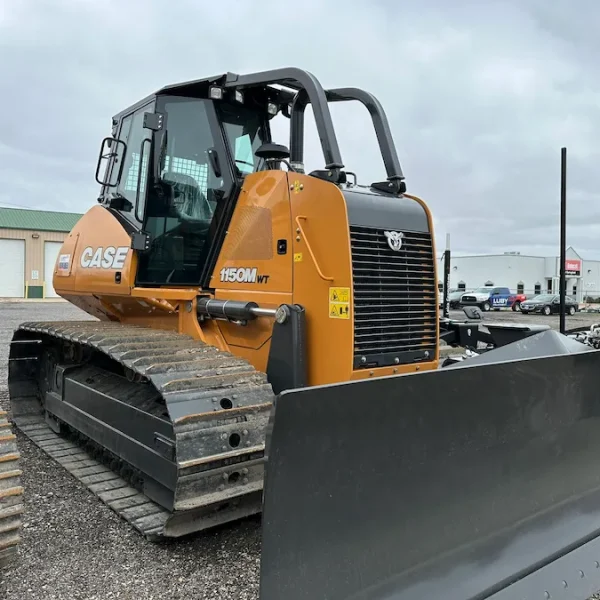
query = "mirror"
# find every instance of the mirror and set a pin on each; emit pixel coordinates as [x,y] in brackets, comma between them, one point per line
[111,154]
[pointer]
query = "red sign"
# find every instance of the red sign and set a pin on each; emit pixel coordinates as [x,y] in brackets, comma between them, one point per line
[572,266]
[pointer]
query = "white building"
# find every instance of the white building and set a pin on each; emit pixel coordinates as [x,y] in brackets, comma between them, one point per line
[530,275]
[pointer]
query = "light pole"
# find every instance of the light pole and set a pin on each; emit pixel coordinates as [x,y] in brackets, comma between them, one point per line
[563,235]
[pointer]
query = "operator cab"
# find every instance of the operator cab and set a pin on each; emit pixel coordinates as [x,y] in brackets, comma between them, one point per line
[177,159]
[180,156]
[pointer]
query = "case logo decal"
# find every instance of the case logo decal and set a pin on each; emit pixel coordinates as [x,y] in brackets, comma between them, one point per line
[104,258]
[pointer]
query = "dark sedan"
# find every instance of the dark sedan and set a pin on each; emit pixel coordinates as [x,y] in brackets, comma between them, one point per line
[549,304]
[454,298]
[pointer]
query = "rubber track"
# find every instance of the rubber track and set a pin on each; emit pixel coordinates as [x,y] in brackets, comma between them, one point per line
[166,359]
[11,493]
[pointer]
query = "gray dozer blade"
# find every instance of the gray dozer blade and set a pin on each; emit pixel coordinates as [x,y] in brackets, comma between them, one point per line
[472,482]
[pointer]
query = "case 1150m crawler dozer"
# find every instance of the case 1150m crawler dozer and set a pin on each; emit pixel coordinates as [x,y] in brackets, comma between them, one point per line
[252,317]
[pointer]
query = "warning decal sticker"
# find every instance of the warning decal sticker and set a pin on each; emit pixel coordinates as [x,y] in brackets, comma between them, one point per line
[339,303]
[337,294]
[339,311]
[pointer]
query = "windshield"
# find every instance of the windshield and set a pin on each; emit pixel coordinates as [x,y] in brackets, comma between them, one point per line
[482,290]
[543,298]
[246,131]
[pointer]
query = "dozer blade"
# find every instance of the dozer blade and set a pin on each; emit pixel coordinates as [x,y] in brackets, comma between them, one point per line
[476,481]
[165,430]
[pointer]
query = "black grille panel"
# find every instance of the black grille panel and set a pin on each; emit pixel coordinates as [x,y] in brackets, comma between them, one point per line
[394,298]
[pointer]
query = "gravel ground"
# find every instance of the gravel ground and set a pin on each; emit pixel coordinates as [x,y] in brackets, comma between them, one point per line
[76,548]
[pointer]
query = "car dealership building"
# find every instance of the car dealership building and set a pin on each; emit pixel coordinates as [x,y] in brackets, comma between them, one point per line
[528,275]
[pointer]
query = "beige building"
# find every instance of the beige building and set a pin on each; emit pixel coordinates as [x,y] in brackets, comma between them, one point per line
[30,241]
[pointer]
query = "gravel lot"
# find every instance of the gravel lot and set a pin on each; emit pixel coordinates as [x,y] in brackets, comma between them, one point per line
[76,548]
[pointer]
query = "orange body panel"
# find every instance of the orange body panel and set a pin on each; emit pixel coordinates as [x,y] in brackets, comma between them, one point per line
[260,219]
[275,209]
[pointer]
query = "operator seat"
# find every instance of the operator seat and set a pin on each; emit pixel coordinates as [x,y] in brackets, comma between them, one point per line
[187,200]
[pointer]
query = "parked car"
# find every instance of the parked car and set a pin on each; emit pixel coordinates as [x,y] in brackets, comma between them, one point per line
[454,298]
[549,304]
[489,297]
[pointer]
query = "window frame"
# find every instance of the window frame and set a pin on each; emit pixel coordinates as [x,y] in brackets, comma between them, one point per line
[131,215]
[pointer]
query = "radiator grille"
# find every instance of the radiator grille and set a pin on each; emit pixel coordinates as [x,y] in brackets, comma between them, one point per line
[394,298]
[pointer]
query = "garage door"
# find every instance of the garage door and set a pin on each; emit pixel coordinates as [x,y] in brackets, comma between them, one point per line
[12,268]
[51,250]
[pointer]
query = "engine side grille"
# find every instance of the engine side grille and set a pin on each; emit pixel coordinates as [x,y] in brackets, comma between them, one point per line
[394,298]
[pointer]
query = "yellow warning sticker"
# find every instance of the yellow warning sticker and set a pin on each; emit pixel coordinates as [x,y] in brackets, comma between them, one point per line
[339,303]
[339,294]
[298,257]
[339,311]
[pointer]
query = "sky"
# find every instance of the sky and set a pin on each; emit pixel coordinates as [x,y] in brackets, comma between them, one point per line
[480,96]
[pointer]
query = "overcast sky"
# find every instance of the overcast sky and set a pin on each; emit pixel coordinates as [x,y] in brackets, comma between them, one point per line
[480,95]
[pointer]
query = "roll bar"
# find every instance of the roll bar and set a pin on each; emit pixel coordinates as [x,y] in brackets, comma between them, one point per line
[309,90]
[307,84]
[395,177]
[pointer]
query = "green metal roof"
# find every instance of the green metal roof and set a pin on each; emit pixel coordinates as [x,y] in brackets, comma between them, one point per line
[41,220]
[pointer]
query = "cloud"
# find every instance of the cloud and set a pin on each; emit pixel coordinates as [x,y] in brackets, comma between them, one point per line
[480,97]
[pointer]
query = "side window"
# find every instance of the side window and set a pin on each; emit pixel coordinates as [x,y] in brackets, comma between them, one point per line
[132,133]
[245,134]
[243,154]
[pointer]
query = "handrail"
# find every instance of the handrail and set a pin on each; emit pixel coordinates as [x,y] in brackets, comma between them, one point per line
[312,255]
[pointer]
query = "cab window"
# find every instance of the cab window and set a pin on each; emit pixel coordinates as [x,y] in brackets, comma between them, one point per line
[137,138]
[246,131]
[180,213]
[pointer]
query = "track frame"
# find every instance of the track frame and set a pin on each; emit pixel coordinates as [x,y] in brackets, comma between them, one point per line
[167,431]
